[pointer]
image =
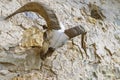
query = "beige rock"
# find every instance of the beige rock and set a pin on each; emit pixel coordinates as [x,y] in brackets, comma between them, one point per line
[32,37]
[18,78]
[91,20]
[68,62]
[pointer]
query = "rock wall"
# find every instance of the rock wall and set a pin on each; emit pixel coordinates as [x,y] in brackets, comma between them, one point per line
[96,57]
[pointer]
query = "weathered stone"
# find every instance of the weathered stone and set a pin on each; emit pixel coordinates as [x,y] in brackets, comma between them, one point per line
[69,62]
[4,72]
[32,37]
[30,59]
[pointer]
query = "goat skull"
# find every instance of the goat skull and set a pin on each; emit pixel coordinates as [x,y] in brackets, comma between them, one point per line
[55,36]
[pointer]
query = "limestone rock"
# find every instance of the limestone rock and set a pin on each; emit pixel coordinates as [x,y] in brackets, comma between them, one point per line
[98,60]
[32,37]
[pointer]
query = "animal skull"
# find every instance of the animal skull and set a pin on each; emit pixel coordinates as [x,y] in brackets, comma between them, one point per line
[55,36]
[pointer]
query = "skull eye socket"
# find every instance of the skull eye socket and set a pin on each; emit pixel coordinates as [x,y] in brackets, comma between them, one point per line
[45,35]
[45,27]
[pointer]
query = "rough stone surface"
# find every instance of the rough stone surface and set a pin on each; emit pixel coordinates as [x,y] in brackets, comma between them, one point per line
[95,58]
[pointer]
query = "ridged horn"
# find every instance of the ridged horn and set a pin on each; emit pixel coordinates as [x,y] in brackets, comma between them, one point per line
[75,31]
[45,11]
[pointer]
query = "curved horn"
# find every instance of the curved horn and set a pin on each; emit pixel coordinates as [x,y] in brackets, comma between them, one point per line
[75,31]
[45,11]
